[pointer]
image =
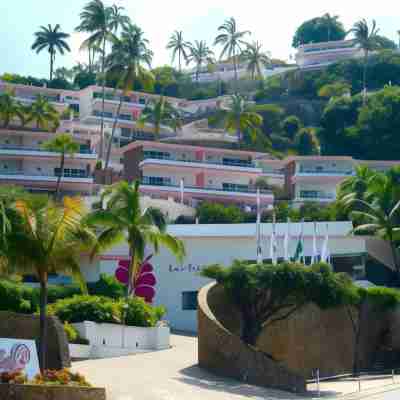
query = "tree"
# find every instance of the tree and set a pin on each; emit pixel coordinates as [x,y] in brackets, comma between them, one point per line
[320,29]
[128,61]
[385,43]
[265,294]
[291,126]
[65,145]
[53,239]
[101,23]
[257,60]
[157,113]
[367,39]
[178,45]
[200,54]
[53,40]
[9,108]
[356,187]
[84,79]
[336,89]
[231,40]
[122,218]
[240,116]
[306,142]
[214,213]
[43,113]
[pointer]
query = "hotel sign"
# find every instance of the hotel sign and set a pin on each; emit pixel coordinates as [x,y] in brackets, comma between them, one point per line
[185,268]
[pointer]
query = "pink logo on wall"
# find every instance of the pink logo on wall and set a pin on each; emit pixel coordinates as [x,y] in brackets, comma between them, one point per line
[144,285]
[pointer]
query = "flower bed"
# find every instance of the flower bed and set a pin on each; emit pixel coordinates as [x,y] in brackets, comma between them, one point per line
[51,385]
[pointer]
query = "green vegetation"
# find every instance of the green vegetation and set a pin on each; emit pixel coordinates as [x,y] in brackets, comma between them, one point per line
[265,294]
[320,29]
[133,312]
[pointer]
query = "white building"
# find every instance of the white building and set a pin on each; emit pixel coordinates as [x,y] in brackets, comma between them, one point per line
[178,284]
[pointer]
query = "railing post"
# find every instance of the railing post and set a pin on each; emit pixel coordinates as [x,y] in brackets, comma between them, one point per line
[359,382]
[393,375]
[318,384]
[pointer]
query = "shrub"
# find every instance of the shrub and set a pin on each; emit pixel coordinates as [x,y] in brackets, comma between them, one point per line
[107,286]
[212,213]
[13,378]
[86,308]
[71,332]
[140,313]
[17,298]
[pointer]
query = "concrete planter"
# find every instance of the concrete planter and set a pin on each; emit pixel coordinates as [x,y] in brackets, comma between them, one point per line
[119,336]
[35,392]
[80,351]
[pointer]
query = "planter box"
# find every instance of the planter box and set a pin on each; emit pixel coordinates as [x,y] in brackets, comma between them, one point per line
[81,351]
[33,392]
[112,335]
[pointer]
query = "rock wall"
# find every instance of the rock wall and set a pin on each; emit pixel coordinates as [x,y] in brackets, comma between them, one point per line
[223,353]
[27,327]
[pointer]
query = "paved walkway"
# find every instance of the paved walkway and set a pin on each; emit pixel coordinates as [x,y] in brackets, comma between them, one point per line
[167,375]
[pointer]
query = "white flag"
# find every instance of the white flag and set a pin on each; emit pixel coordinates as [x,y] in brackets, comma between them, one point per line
[286,241]
[325,253]
[314,257]
[182,190]
[273,246]
[258,229]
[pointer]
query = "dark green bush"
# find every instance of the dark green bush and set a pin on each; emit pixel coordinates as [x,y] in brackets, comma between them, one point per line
[17,298]
[107,286]
[140,313]
[86,308]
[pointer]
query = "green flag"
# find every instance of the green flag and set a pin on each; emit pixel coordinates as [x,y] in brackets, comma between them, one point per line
[299,250]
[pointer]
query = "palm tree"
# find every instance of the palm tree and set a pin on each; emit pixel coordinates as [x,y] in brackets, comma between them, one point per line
[383,223]
[367,39]
[331,21]
[53,40]
[53,239]
[128,61]
[9,108]
[180,46]
[101,23]
[157,112]
[200,54]
[240,117]
[231,39]
[122,219]
[256,60]
[65,145]
[43,113]
[356,187]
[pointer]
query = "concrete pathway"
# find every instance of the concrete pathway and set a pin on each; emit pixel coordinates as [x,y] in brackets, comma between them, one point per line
[168,375]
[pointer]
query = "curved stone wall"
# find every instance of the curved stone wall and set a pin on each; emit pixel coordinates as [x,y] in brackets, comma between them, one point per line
[222,352]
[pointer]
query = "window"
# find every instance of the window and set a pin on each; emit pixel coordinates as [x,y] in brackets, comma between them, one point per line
[159,155]
[189,301]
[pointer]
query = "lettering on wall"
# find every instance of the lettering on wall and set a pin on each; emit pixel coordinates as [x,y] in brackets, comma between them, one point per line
[185,268]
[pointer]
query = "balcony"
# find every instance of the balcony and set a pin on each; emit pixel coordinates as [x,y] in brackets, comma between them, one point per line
[230,190]
[16,150]
[231,165]
[97,98]
[312,195]
[314,171]
[22,175]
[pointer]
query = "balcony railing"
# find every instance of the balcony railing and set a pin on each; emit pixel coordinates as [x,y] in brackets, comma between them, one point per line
[227,163]
[325,171]
[146,182]
[28,148]
[316,196]
[41,174]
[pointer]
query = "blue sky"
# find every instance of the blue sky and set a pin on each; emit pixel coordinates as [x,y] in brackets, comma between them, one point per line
[271,23]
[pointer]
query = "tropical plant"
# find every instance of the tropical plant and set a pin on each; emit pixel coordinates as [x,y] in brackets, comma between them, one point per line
[336,89]
[331,22]
[53,239]
[239,117]
[231,40]
[101,23]
[159,112]
[356,187]
[65,145]
[366,38]
[9,108]
[123,219]
[257,60]
[43,114]
[200,54]
[53,40]
[128,61]
[178,45]
[265,294]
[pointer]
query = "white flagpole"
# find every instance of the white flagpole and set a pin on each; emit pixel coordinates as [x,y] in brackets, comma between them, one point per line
[286,241]
[273,248]
[314,257]
[258,229]
[302,258]
[182,190]
[324,250]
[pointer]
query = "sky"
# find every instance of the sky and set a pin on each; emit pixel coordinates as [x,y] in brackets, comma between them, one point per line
[271,23]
